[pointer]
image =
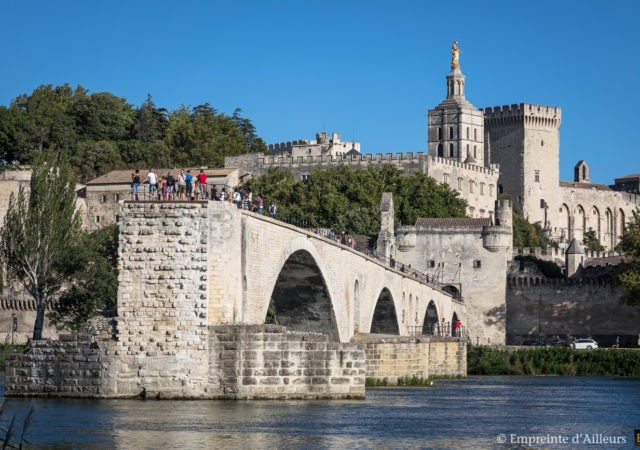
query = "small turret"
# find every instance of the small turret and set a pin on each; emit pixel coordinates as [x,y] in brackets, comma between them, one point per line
[499,236]
[573,257]
[386,237]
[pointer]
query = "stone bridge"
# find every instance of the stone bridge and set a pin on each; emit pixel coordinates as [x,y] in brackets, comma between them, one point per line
[259,268]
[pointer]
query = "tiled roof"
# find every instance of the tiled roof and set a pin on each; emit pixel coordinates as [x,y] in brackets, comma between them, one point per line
[453,222]
[124,176]
[575,184]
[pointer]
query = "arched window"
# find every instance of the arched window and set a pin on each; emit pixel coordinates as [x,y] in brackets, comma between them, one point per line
[440,150]
[475,152]
[450,132]
[467,149]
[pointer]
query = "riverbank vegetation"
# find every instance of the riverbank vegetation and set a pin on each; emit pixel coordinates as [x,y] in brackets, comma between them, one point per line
[552,361]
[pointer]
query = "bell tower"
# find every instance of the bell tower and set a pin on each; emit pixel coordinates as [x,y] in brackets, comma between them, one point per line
[455,126]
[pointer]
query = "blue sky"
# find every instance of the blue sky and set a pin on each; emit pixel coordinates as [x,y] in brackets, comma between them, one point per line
[367,69]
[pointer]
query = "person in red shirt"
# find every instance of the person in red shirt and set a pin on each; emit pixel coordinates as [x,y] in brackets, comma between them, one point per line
[202,181]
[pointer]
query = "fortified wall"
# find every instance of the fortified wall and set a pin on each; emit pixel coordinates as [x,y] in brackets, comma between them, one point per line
[582,307]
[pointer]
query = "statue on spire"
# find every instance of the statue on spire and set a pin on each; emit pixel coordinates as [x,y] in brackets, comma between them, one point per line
[455,57]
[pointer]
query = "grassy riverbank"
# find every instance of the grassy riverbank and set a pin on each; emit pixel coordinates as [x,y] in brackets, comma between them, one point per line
[552,361]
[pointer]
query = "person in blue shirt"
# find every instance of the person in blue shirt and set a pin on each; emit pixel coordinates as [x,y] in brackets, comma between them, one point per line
[189,181]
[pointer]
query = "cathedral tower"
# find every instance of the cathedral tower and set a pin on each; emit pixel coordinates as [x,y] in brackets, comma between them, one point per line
[455,126]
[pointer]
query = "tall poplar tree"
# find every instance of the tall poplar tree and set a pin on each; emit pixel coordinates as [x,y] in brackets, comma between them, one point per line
[40,228]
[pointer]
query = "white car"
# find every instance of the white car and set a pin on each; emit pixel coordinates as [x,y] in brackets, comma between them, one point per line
[584,344]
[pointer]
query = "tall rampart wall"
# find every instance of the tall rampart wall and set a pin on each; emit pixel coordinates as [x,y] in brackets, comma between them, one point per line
[569,307]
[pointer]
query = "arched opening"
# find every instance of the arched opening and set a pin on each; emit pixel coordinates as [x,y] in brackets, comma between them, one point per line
[300,299]
[385,320]
[440,150]
[596,220]
[565,223]
[455,326]
[430,320]
[452,290]
[609,229]
[620,225]
[580,224]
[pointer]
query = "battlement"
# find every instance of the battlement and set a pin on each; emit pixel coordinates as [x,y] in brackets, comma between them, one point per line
[328,159]
[527,113]
[472,167]
[286,146]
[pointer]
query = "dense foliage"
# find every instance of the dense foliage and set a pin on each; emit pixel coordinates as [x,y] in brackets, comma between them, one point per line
[348,200]
[630,274]
[548,268]
[102,132]
[530,235]
[92,266]
[591,242]
[552,361]
[39,229]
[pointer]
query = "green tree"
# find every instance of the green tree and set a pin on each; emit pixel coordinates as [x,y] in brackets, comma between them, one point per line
[526,234]
[591,241]
[38,229]
[92,265]
[151,122]
[630,274]
[348,200]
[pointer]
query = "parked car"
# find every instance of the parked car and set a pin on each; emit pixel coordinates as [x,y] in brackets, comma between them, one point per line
[584,344]
[556,342]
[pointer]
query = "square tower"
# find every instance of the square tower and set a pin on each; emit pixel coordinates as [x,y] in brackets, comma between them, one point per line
[525,140]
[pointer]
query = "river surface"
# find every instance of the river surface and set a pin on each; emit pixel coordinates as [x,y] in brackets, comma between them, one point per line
[586,412]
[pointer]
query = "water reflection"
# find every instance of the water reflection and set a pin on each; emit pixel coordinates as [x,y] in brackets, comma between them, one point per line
[452,414]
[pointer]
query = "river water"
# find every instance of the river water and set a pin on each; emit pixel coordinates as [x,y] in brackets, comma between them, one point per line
[526,412]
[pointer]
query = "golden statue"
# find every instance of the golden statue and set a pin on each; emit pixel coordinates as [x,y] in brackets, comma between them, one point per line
[455,57]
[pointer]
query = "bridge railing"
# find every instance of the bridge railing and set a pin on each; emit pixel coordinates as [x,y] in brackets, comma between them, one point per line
[439,331]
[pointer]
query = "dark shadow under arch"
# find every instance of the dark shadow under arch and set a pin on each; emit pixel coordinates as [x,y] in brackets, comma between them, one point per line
[385,320]
[430,319]
[300,299]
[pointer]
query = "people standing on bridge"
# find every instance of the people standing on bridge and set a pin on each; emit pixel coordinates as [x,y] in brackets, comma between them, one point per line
[443,328]
[458,328]
[171,183]
[182,184]
[135,185]
[152,178]
[436,331]
[188,179]
[237,199]
[163,189]
[202,181]
[273,209]
[260,204]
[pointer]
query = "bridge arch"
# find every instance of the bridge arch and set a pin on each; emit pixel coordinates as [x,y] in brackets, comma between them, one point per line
[430,318]
[385,317]
[300,298]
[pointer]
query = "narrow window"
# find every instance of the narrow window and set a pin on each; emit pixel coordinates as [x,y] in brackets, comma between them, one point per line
[475,152]
[103,198]
[450,132]
[97,219]
[440,133]
[440,150]
[467,132]
[116,197]
[450,150]
[537,176]
[491,189]
[471,187]
[431,264]
[117,218]
[477,263]
[460,183]
[445,178]
[500,189]
[475,134]
[481,188]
